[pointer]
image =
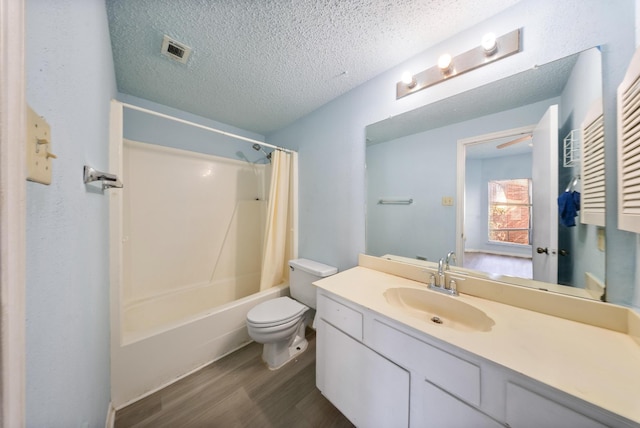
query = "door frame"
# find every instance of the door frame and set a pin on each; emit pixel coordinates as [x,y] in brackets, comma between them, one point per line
[12,212]
[461,175]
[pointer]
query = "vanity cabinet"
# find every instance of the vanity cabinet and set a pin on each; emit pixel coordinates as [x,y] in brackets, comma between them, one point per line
[374,385]
[367,388]
[445,389]
[380,372]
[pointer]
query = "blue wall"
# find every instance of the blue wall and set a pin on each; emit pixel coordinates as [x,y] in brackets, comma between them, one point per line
[147,128]
[70,80]
[331,140]
[583,88]
[423,167]
[416,167]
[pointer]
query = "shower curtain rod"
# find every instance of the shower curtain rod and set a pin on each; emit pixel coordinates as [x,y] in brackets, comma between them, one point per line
[197,125]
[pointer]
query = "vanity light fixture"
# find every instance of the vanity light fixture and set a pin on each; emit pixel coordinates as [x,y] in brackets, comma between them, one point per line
[491,49]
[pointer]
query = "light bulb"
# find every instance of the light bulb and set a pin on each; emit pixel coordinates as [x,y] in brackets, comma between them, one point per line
[408,79]
[489,44]
[444,63]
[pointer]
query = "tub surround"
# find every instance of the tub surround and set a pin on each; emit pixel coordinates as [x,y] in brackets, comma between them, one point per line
[180,302]
[587,349]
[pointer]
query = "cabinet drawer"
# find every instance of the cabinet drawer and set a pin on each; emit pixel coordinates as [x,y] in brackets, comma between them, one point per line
[451,373]
[343,317]
[527,409]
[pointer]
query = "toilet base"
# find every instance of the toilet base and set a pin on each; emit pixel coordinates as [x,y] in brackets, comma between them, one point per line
[277,354]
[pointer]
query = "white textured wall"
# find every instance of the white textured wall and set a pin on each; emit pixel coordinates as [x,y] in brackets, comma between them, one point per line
[70,81]
[331,139]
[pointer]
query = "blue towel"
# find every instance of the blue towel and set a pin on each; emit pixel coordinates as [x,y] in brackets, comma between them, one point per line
[568,207]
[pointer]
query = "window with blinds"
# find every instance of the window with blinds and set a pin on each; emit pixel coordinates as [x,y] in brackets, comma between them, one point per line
[629,148]
[592,199]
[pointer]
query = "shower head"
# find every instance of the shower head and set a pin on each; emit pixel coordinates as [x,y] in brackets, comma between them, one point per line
[258,147]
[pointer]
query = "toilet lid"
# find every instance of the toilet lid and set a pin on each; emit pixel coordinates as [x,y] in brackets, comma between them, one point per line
[275,311]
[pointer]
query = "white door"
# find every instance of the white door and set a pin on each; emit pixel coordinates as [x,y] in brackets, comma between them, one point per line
[545,194]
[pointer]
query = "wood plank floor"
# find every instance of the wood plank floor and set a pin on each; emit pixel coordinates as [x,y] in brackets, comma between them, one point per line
[239,391]
[499,265]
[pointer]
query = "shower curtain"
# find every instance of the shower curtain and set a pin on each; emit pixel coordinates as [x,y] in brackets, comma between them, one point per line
[280,241]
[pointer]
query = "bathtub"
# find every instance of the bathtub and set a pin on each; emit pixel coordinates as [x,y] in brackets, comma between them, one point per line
[151,358]
[151,316]
[185,260]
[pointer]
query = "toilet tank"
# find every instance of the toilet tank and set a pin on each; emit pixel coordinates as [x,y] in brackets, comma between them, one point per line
[301,277]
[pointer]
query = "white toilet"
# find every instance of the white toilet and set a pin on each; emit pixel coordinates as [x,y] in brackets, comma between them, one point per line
[280,323]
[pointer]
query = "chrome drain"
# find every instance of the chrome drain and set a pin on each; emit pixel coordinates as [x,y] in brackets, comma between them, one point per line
[436,320]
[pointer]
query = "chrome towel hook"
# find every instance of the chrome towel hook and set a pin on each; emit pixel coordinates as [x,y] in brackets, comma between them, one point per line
[109,181]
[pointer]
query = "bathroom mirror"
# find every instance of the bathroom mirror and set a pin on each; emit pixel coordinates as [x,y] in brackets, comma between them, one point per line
[437,178]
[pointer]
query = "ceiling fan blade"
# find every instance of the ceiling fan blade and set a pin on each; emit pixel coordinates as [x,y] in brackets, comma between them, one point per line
[516,141]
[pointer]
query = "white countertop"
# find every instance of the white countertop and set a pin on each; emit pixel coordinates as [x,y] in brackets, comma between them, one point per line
[596,364]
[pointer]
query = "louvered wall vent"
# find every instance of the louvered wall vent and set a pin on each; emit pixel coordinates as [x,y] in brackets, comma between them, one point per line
[175,50]
[592,199]
[629,148]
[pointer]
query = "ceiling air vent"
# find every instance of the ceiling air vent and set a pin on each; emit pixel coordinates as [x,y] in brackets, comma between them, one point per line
[175,50]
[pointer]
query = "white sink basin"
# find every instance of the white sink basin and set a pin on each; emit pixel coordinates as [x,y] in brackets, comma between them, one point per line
[439,309]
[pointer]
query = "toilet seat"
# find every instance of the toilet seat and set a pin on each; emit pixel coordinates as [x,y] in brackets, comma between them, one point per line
[275,312]
[262,330]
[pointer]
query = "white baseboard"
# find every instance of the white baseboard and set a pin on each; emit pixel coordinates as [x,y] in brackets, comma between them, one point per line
[111,417]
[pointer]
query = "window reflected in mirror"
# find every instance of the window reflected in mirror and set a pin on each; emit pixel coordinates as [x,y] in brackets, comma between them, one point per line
[510,211]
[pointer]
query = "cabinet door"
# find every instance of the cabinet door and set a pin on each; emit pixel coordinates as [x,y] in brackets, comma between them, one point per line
[439,409]
[368,389]
[526,409]
[453,374]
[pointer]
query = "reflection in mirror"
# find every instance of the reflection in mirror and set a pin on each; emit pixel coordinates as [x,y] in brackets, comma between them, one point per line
[415,157]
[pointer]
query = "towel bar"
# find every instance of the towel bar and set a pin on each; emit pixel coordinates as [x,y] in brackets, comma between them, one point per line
[109,181]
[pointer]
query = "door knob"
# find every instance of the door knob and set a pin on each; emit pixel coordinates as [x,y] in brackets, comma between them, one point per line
[563,252]
[541,250]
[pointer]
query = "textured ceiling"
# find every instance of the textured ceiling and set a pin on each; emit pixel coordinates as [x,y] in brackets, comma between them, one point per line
[260,65]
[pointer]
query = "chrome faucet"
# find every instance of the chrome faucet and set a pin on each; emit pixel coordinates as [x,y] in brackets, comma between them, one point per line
[441,282]
[451,258]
